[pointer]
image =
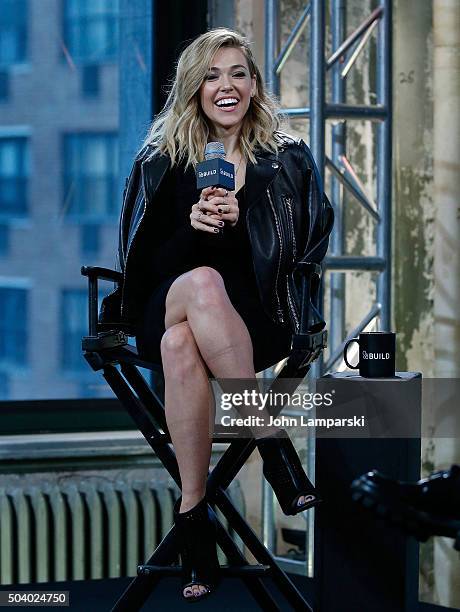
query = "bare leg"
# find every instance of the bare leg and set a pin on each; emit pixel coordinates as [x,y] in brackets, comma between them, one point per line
[188,403]
[188,407]
[220,333]
[200,298]
[222,342]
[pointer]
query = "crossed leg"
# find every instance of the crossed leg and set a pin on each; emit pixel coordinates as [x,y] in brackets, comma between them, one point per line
[204,333]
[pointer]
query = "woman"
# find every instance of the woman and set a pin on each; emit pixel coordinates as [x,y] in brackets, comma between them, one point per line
[208,285]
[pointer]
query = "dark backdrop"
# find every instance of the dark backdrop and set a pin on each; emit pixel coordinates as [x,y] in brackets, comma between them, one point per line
[177,22]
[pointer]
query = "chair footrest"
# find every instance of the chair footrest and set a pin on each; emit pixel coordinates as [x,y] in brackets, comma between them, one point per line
[244,570]
[233,571]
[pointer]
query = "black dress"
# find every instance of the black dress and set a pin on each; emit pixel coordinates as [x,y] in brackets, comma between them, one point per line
[181,248]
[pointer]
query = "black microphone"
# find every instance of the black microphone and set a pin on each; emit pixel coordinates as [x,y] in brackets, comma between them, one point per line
[214,171]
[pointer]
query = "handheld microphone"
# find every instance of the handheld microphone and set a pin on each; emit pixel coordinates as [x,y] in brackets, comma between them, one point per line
[214,171]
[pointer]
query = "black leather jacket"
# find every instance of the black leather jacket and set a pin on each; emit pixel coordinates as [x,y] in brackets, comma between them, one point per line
[288,220]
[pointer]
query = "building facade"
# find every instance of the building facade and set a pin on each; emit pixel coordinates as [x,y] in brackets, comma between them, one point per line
[59,199]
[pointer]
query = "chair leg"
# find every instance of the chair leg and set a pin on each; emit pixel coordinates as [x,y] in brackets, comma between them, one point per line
[226,469]
[263,556]
[145,393]
[141,587]
[255,585]
[141,417]
[218,480]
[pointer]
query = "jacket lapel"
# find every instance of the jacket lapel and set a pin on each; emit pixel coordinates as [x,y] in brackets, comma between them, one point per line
[260,175]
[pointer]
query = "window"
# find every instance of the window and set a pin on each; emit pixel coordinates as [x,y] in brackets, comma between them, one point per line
[74,310]
[60,185]
[90,80]
[90,177]
[13,326]
[14,173]
[4,385]
[13,32]
[4,85]
[90,239]
[4,239]
[91,30]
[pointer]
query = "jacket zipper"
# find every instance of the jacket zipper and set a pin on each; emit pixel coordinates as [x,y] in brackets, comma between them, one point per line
[279,310]
[288,202]
[292,306]
[291,302]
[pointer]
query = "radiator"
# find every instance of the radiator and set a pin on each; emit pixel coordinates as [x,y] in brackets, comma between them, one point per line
[83,529]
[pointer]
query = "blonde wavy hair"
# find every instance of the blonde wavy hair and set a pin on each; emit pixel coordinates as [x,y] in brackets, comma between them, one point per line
[181,129]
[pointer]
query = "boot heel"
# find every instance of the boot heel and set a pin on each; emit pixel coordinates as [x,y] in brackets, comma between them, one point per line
[283,470]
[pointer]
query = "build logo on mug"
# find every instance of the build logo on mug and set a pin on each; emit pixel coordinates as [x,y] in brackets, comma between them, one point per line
[377,351]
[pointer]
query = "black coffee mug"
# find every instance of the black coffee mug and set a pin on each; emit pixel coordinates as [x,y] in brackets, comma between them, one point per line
[377,352]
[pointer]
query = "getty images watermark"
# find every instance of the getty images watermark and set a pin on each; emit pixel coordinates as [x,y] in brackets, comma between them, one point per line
[240,410]
[341,405]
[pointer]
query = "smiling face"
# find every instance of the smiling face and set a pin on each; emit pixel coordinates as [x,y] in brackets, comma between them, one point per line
[226,92]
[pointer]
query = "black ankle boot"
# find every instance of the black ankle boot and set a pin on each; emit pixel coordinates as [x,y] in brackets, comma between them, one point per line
[283,470]
[196,533]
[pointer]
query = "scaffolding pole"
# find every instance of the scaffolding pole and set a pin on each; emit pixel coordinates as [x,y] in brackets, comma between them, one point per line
[346,50]
[344,176]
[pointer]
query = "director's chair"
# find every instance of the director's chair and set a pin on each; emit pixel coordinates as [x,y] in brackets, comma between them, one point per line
[109,351]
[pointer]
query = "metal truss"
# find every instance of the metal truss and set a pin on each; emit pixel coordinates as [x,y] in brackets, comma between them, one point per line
[346,50]
[343,177]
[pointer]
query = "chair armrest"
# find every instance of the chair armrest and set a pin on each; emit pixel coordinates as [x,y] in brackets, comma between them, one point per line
[94,273]
[306,348]
[310,274]
[102,273]
[310,342]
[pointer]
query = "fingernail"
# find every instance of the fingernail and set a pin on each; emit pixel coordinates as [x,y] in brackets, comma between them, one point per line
[221,223]
[216,229]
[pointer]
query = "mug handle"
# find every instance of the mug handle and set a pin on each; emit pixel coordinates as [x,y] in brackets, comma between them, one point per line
[345,349]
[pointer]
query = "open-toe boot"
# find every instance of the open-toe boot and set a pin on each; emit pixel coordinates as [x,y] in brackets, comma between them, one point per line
[196,533]
[283,470]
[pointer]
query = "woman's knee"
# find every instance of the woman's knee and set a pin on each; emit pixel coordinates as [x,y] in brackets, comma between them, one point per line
[201,286]
[178,348]
[177,338]
[207,287]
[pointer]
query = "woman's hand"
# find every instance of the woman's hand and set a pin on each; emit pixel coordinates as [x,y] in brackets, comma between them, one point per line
[226,203]
[216,205]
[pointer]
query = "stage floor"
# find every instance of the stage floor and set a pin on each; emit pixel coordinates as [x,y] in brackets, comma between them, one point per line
[101,595]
